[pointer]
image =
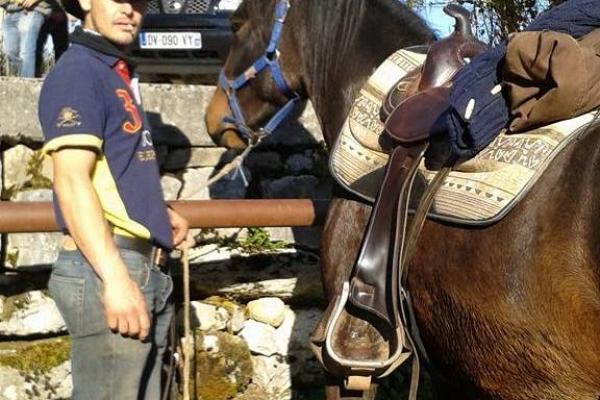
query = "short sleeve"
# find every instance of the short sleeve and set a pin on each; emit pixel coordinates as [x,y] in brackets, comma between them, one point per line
[71,108]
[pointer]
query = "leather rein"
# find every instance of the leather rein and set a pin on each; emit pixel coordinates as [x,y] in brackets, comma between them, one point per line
[268,61]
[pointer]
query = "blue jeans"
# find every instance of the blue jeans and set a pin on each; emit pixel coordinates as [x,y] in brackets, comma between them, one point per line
[106,365]
[20,32]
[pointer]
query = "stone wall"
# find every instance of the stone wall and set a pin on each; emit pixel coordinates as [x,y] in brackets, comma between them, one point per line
[256,292]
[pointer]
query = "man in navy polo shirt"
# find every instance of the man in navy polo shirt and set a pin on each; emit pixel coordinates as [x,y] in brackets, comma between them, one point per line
[109,203]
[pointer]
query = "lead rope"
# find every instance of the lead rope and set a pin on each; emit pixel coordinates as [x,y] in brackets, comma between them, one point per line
[187,342]
[235,164]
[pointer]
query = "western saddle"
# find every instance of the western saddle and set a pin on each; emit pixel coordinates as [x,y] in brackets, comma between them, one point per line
[374,293]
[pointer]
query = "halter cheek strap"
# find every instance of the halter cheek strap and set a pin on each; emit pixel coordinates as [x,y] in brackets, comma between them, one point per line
[269,60]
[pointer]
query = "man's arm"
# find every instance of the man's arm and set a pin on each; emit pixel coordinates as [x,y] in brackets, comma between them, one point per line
[124,304]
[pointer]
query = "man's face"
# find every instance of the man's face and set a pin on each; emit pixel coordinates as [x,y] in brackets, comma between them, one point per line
[117,20]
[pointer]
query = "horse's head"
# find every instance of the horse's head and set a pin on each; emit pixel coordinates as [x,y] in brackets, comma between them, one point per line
[260,76]
[322,49]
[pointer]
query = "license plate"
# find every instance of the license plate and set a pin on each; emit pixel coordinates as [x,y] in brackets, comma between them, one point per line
[170,40]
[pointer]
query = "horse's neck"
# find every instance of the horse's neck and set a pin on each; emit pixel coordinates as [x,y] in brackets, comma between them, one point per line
[347,41]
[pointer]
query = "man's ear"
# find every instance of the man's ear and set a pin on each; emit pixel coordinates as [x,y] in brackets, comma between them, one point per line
[86,5]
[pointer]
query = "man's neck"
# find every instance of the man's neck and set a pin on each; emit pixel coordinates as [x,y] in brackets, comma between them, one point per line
[94,32]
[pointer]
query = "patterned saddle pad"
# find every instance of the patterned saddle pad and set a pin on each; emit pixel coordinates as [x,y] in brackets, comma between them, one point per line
[479,191]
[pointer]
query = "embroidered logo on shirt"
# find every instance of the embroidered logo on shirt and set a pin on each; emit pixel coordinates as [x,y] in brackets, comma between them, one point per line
[68,118]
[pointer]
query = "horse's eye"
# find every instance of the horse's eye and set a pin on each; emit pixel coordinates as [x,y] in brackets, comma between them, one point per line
[236,26]
[237,20]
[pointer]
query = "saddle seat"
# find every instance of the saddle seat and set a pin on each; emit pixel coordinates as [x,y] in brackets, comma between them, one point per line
[418,117]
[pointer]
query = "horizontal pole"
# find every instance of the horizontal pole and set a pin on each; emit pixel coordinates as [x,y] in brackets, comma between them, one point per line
[20,217]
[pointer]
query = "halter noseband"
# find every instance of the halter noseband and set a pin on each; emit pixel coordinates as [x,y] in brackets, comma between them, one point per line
[268,60]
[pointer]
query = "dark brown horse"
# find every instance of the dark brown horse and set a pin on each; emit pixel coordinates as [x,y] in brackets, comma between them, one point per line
[509,312]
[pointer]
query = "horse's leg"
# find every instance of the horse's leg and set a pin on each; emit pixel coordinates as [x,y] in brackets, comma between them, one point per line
[443,389]
[342,236]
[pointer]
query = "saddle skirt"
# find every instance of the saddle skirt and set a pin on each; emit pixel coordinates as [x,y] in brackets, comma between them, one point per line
[479,191]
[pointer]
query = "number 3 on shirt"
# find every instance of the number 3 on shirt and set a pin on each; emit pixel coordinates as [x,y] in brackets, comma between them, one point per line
[136,124]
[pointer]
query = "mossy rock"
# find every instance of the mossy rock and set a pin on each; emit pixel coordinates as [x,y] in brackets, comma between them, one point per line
[37,357]
[13,304]
[218,301]
[223,370]
[254,392]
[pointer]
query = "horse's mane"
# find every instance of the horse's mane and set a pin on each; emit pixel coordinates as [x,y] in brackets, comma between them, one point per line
[348,39]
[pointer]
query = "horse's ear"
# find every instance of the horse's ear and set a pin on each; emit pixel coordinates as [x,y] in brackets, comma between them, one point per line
[242,11]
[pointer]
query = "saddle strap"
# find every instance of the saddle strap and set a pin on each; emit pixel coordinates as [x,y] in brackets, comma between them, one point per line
[374,281]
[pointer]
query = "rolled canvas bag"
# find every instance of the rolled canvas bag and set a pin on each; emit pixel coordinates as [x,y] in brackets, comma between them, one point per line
[549,76]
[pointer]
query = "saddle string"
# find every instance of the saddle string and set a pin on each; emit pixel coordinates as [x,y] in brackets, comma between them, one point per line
[420,215]
[403,252]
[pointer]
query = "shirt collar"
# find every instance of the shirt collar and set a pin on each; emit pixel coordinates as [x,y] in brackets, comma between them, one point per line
[103,49]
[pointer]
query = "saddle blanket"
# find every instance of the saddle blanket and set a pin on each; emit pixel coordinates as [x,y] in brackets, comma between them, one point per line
[479,191]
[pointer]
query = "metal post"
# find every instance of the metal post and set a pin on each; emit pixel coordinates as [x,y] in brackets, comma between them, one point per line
[38,216]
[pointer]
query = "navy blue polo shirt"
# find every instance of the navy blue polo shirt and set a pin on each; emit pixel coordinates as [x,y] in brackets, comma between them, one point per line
[87,101]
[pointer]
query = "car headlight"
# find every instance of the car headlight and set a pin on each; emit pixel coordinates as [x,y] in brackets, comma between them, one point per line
[227,5]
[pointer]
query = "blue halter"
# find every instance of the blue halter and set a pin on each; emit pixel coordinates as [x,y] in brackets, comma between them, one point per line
[268,60]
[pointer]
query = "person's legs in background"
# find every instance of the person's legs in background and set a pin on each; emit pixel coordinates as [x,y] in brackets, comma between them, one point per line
[56,26]
[29,27]
[11,40]
[59,30]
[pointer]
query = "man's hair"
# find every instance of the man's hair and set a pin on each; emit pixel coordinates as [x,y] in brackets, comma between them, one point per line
[73,7]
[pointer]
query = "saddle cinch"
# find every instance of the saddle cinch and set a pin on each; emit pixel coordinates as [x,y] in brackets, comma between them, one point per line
[373,294]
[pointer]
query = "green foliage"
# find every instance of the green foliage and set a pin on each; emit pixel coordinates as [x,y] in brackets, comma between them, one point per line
[415,4]
[258,240]
[3,61]
[12,256]
[35,177]
[35,167]
[495,19]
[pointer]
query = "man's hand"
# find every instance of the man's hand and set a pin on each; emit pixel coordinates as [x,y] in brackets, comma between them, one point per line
[179,226]
[125,308]
[29,4]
